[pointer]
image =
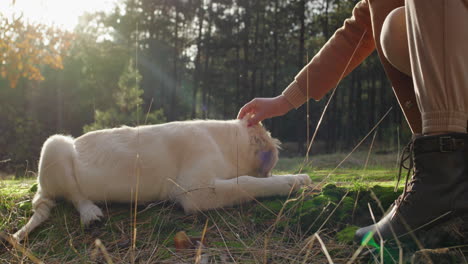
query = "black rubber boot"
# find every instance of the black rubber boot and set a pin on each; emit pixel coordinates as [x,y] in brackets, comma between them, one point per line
[437,189]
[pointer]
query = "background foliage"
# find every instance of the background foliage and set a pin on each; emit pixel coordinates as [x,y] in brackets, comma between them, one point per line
[151,61]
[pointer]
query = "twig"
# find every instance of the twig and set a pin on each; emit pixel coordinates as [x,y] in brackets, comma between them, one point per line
[199,249]
[20,248]
[356,147]
[103,249]
[329,100]
[149,110]
[324,249]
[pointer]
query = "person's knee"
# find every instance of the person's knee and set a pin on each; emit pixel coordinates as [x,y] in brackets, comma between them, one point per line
[394,40]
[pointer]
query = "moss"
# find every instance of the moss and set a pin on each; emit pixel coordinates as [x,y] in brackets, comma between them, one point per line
[274,206]
[347,204]
[312,212]
[315,204]
[386,195]
[347,234]
[333,192]
[345,209]
[317,201]
[322,205]
[316,209]
[267,210]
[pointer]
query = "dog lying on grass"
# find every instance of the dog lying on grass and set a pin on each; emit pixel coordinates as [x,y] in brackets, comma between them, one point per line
[199,164]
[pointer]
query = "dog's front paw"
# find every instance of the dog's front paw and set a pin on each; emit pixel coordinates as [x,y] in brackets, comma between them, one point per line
[298,181]
[304,179]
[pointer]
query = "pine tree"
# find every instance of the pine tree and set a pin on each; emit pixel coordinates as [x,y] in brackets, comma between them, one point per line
[127,109]
[128,96]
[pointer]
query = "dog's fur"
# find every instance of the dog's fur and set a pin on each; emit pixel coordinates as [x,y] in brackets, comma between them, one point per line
[199,164]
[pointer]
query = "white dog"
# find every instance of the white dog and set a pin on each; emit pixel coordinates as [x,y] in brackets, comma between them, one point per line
[199,164]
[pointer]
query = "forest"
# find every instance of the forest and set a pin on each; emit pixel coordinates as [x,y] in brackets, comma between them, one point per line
[154,61]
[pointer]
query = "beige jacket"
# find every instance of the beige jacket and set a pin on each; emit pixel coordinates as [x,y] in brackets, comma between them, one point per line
[346,49]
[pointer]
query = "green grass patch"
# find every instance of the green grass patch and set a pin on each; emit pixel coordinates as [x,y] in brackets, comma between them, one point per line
[13,189]
[330,168]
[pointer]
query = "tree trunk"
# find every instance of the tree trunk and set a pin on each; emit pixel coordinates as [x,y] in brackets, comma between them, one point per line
[206,73]
[173,107]
[300,113]
[372,97]
[197,71]
[326,32]
[275,62]
[253,86]
[246,62]
[238,64]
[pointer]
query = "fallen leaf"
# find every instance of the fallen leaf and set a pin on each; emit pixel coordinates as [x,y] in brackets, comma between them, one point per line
[183,241]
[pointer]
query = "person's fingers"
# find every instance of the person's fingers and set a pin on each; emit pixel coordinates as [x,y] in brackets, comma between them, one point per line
[258,117]
[247,108]
[242,112]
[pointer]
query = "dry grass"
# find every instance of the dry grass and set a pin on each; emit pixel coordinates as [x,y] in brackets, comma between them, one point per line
[298,229]
[259,232]
[251,233]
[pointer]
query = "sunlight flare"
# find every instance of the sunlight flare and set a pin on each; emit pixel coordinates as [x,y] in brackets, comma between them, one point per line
[63,14]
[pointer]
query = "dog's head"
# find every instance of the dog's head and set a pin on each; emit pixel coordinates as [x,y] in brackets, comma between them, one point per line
[265,149]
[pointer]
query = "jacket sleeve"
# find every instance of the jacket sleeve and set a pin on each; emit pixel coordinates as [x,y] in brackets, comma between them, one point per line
[337,58]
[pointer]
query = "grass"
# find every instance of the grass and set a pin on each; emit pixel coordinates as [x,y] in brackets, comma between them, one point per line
[302,229]
[379,168]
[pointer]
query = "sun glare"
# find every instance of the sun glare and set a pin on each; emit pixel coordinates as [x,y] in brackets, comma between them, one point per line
[60,13]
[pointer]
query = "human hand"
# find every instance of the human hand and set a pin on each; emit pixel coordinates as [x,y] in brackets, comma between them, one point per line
[263,108]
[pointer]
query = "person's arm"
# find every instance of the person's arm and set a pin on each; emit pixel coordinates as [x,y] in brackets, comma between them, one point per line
[343,52]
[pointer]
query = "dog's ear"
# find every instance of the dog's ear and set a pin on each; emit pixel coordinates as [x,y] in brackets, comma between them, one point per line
[267,162]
